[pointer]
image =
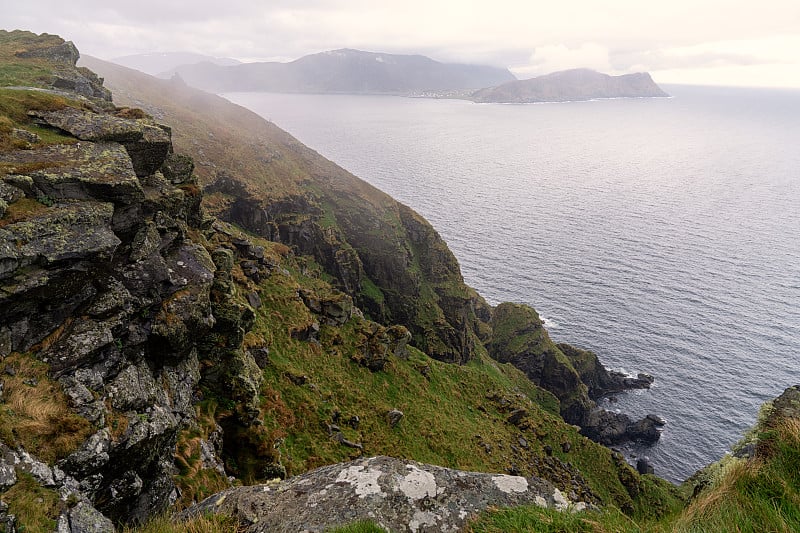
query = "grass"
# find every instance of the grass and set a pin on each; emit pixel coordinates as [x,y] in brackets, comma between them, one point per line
[21,210]
[14,70]
[531,518]
[14,107]
[217,523]
[195,482]
[36,508]
[453,413]
[743,495]
[36,414]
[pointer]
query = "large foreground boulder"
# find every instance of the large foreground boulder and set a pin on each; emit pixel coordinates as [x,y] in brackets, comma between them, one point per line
[398,495]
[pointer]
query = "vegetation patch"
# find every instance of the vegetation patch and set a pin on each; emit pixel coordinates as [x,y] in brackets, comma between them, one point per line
[35,412]
[35,507]
[216,523]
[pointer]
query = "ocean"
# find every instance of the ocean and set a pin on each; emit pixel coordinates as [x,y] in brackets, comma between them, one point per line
[663,234]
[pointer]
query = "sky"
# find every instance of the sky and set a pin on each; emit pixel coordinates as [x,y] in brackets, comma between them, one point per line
[707,42]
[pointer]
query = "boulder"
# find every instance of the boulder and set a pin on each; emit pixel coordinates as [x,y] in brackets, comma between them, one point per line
[401,496]
[80,171]
[146,142]
[394,417]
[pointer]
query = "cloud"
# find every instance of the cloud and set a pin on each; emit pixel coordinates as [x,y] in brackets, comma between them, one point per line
[551,58]
[532,37]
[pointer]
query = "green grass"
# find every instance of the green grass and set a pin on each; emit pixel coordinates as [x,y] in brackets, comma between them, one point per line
[36,508]
[531,518]
[455,415]
[743,495]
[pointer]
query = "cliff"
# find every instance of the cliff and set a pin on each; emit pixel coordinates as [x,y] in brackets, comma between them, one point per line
[343,71]
[154,355]
[571,86]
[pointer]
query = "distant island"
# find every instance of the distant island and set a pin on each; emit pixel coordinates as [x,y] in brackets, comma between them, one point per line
[343,71]
[571,86]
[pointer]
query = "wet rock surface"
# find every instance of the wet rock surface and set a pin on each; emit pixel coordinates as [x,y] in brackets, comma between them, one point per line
[396,494]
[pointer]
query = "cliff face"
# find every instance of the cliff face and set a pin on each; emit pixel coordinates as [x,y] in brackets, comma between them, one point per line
[571,86]
[388,258]
[151,351]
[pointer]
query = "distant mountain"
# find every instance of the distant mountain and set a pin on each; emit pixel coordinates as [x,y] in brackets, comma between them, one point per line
[160,62]
[345,71]
[571,85]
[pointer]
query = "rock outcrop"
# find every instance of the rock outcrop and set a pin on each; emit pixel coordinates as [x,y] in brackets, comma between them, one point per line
[100,280]
[395,494]
[518,337]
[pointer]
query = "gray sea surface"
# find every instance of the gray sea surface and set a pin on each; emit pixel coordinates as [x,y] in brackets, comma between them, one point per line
[663,234]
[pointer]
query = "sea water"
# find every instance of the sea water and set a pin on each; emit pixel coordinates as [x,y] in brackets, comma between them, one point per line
[663,234]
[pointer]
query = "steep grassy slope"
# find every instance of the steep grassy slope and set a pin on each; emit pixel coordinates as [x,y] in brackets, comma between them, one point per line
[266,181]
[756,489]
[380,252]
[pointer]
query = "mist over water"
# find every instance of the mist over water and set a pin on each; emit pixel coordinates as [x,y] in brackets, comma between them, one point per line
[660,233]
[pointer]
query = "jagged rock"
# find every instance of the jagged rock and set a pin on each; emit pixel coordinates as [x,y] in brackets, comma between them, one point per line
[254,300]
[80,171]
[517,416]
[608,428]
[147,143]
[643,466]
[597,378]
[84,518]
[9,193]
[354,421]
[91,457]
[378,343]
[260,356]
[398,495]
[8,474]
[65,53]
[178,168]
[394,417]
[71,232]
[27,137]
[3,207]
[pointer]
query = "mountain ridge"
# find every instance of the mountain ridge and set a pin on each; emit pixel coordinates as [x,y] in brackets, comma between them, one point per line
[344,71]
[569,86]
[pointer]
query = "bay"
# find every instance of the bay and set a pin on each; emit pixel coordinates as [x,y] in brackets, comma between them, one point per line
[660,233]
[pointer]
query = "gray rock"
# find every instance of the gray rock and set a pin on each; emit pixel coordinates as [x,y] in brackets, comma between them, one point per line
[147,143]
[643,466]
[83,518]
[73,232]
[3,207]
[394,417]
[254,300]
[25,136]
[402,496]
[90,457]
[10,193]
[8,475]
[82,171]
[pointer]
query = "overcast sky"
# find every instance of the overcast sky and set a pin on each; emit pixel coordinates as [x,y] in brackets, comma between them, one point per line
[718,42]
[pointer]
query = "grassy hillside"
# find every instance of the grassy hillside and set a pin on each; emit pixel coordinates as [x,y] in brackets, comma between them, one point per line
[756,489]
[380,252]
